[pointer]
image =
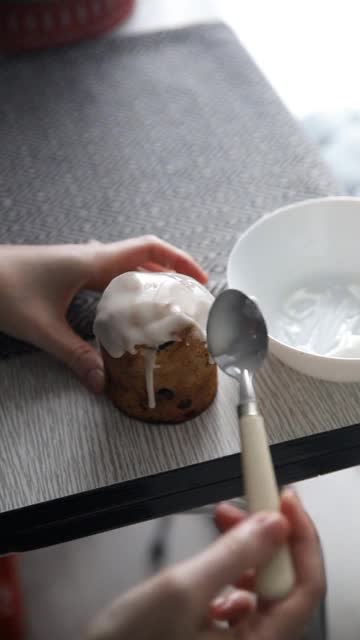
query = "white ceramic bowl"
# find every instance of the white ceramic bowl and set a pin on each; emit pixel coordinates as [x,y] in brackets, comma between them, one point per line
[312,246]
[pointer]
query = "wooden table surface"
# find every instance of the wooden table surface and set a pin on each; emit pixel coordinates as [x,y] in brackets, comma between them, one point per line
[58,441]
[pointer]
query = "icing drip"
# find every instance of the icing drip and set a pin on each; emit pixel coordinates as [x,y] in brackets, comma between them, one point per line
[149,360]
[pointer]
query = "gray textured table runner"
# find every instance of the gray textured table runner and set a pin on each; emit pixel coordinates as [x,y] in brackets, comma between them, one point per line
[176,134]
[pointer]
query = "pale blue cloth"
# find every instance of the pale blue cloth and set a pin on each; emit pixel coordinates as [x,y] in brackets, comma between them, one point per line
[338,136]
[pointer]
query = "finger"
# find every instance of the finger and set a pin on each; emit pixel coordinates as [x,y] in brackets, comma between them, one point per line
[110,260]
[247,581]
[227,516]
[249,545]
[304,540]
[173,259]
[63,343]
[291,615]
[157,268]
[233,607]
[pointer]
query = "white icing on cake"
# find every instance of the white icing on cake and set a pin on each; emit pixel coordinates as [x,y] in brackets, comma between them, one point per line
[140,308]
[149,309]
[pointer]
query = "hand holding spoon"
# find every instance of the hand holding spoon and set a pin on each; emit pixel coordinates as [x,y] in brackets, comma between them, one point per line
[238,341]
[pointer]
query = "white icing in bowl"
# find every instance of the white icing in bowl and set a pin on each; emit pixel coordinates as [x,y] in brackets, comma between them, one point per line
[321,317]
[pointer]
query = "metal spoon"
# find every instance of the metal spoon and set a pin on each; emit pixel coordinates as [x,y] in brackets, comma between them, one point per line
[238,341]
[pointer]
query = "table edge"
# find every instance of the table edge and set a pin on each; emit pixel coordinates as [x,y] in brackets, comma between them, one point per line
[169,492]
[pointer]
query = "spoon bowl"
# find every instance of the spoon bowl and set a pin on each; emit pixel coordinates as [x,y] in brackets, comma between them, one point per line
[237,333]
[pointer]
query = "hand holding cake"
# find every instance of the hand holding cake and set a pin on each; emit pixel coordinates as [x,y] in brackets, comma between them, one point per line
[38,283]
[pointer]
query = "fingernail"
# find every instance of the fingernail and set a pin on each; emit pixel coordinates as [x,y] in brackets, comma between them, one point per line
[219,602]
[95,380]
[266,519]
[290,493]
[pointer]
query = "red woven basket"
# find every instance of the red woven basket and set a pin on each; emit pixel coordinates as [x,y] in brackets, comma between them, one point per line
[27,24]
